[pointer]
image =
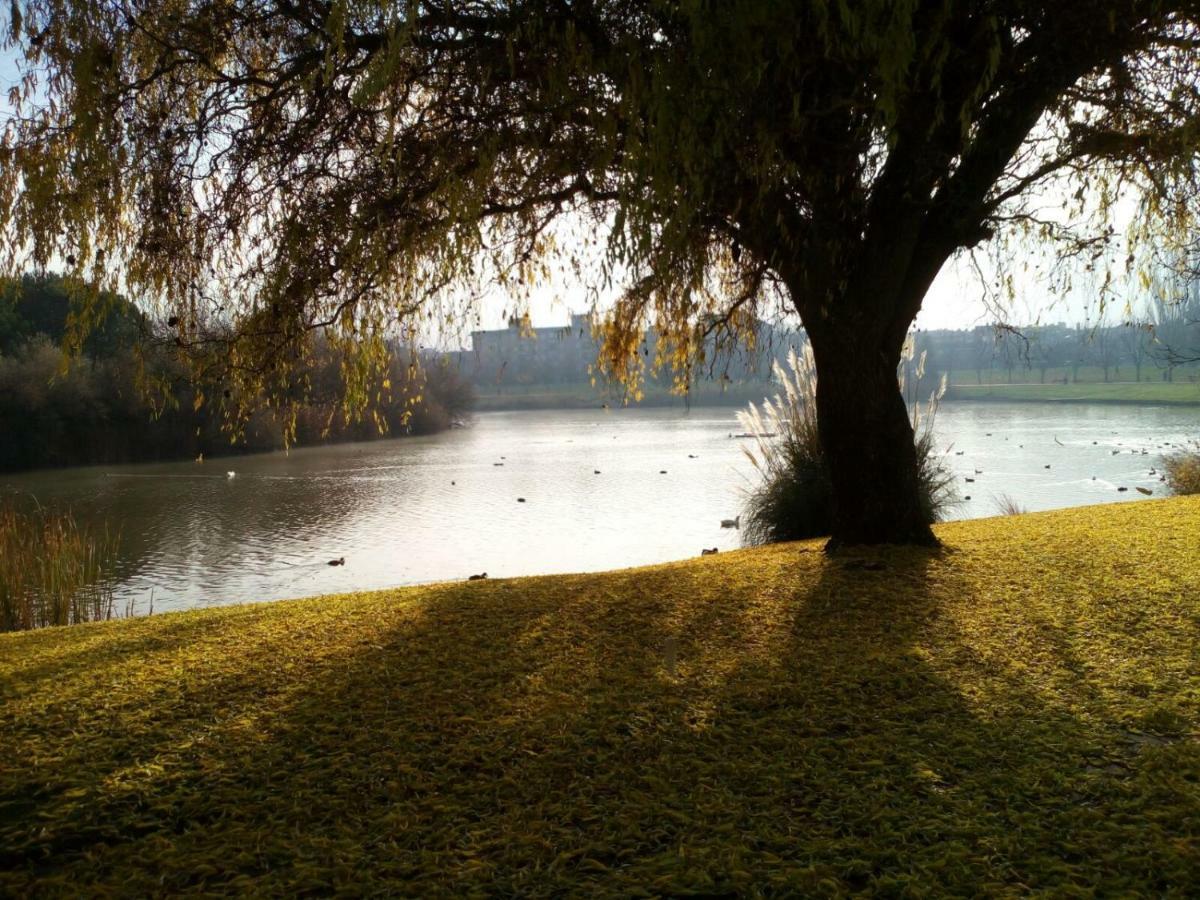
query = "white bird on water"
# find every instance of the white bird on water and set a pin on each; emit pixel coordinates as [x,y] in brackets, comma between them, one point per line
[231,473]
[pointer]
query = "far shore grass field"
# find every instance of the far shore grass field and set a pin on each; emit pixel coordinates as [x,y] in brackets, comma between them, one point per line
[1090,389]
[1017,713]
[1134,392]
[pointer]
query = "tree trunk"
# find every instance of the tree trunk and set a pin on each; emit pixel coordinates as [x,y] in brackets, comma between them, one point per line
[868,442]
[857,299]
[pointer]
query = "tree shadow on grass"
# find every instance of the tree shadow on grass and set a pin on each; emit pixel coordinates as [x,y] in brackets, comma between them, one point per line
[814,726]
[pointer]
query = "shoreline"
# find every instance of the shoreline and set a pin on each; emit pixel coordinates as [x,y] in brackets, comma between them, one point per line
[1128,393]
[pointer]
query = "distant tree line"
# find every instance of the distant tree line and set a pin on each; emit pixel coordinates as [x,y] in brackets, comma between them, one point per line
[1159,339]
[125,398]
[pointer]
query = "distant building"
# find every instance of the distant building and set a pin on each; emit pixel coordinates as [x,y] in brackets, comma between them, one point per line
[565,354]
[520,353]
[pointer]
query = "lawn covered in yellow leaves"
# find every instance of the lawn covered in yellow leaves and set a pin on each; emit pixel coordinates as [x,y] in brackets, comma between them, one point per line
[1017,712]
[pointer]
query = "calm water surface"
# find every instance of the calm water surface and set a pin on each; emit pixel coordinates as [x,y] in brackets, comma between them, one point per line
[427,509]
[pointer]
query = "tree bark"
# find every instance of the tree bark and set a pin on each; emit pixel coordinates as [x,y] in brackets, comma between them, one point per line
[857,300]
[868,442]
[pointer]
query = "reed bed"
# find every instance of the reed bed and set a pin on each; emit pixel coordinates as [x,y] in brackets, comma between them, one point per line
[793,498]
[53,571]
[1183,470]
[1007,505]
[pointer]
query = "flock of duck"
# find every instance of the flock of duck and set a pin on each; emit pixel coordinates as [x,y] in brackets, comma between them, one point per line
[1121,489]
[735,523]
[707,551]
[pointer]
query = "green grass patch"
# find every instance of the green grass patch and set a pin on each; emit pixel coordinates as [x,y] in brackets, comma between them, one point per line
[1016,713]
[1165,392]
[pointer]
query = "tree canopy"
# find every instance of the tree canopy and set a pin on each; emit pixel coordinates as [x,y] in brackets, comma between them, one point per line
[42,305]
[270,170]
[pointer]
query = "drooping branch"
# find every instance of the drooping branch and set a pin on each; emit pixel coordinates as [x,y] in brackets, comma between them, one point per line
[271,168]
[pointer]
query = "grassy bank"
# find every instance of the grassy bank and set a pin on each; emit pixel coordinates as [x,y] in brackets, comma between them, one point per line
[1144,392]
[1015,713]
[517,397]
[583,396]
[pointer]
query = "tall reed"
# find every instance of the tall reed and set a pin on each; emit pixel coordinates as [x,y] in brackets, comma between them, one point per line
[1183,470]
[793,499]
[1008,506]
[53,571]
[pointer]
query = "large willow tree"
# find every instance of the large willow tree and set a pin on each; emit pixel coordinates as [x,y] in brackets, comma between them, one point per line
[268,170]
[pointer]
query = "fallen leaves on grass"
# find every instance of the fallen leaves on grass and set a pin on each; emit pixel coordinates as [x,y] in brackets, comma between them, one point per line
[1015,712]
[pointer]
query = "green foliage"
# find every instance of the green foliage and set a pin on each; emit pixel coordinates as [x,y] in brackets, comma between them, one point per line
[97,411]
[1014,715]
[52,571]
[94,412]
[128,399]
[50,306]
[1183,471]
[793,500]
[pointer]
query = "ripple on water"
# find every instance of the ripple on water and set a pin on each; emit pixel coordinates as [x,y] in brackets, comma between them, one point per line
[195,537]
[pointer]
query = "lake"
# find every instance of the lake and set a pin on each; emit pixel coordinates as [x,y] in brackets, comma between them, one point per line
[444,507]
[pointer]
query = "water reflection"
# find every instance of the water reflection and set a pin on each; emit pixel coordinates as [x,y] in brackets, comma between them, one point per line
[443,507]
